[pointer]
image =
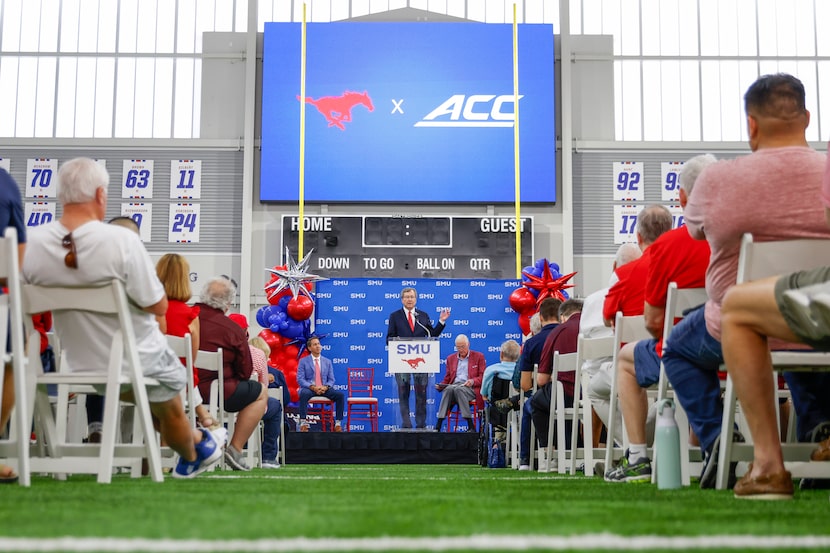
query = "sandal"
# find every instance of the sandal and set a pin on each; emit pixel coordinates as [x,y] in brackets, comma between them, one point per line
[7,475]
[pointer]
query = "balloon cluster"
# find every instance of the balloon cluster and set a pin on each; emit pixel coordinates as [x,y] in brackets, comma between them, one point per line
[286,320]
[540,281]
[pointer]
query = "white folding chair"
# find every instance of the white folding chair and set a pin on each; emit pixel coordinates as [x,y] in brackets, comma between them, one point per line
[562,362]
[182,347]
[278,394]
[123,369]
[759,260]
[16,447]
[588,349]
[678,300]
[626,330]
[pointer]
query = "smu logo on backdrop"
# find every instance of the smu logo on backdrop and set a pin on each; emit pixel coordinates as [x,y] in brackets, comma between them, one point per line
[475,110]
[338,109]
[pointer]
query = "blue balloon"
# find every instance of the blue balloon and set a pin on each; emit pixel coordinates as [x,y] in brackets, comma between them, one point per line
[528,269]
[262,315]
[283,303]
[554,267]
[275,328]
[282,325]
[273,319]
[294,329]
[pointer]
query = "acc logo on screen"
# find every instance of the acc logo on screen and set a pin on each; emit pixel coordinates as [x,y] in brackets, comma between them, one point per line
[476,110]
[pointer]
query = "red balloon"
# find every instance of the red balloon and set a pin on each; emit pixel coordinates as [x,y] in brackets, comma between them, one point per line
[300,308]
[523,301]
[524,324]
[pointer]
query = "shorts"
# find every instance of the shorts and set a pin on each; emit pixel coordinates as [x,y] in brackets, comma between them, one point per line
[247,392]
[646,363]
[808,318]
[168,371]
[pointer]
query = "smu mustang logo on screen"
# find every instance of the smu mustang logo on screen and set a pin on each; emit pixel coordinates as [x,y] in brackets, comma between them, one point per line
[439,119]
[338,109]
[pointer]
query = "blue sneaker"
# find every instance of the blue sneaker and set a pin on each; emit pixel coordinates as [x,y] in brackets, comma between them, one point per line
[208,453]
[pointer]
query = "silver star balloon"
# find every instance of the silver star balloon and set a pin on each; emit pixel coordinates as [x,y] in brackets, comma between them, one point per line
[293,277]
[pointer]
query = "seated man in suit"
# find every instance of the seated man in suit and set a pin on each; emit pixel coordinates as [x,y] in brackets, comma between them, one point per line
[315,376]
[462,383]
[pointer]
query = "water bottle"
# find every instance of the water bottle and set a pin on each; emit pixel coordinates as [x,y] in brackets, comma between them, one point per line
[667,442]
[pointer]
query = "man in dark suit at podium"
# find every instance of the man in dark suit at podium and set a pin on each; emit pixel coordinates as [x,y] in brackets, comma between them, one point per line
[411,323]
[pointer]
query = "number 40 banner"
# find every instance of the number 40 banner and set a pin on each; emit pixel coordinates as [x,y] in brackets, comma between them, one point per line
[137,179]
[184,224]
[186,179]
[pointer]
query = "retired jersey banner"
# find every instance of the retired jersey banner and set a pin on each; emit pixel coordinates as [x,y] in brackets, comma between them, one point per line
[408,112]
[352,316]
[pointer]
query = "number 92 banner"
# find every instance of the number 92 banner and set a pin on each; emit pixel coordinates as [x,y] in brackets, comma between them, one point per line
[138,179]
[628,181]
[184,223]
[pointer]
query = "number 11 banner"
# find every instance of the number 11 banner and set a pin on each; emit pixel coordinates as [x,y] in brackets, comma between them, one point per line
[186,179]
[137,181]
[184,224]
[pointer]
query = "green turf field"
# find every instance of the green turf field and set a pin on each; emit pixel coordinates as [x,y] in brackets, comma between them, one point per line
[398,507]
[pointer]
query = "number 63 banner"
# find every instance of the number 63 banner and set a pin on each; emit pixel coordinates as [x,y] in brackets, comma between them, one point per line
[137,179]
[184,224]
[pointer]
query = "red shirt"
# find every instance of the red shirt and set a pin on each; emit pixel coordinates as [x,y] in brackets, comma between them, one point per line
[675,257]
[628,295]
[179,316]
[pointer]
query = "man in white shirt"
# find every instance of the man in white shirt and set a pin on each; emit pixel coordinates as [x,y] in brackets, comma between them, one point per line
[80,250]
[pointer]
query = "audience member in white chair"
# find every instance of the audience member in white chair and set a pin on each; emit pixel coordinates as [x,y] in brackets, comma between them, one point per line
[11,215]
[592,325]
[243,396]
[673,257]
[794,308]
[564,339]
[461,383]
[776,188]
[315,377]
[79,250]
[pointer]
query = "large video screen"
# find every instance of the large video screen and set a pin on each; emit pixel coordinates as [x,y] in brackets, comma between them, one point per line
[408,112]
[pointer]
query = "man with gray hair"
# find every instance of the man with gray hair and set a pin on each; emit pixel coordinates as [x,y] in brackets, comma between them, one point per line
[243,396]
[627,294]
[462,383]
[674,257]
[80,250]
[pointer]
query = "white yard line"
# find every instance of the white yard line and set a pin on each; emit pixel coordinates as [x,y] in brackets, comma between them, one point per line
[608,542]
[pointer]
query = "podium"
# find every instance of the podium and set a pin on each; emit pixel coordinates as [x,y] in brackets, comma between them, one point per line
[413,363]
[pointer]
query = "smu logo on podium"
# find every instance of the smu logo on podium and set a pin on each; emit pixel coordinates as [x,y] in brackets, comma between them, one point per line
[414,356]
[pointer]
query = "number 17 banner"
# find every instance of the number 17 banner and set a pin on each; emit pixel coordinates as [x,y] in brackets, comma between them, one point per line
[184,222]
[625,223]
[186,179]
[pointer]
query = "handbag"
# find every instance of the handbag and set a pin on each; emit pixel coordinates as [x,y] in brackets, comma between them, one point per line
[495,458]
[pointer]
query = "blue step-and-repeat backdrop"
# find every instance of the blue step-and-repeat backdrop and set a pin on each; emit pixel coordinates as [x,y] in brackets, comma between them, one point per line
[354,315]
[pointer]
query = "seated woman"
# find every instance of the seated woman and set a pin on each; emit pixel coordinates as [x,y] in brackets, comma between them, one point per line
[174,273]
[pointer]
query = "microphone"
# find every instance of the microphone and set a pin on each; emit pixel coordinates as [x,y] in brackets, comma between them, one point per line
[415,314]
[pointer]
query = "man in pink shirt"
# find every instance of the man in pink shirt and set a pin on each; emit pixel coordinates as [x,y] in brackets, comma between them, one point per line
[792,307]
[771,194]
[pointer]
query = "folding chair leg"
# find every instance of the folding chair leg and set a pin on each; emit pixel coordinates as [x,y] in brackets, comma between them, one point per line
[725,453]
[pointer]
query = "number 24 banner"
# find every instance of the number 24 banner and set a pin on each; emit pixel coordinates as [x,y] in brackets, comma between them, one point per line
[183,227]
[137,179]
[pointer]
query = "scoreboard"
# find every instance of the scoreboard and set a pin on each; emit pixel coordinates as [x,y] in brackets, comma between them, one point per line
[410,247]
